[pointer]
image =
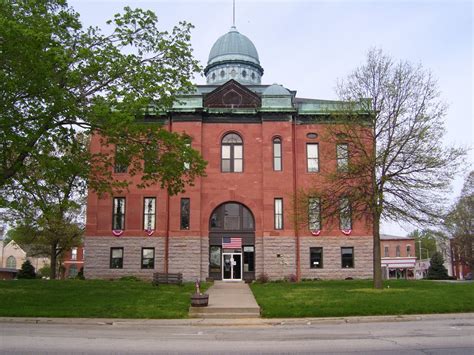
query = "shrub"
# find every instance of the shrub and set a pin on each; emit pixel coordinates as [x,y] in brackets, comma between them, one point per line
[437,271]
[129,278]
[263,278]
[45,271]
[27,271]
[80,274]
[291,278]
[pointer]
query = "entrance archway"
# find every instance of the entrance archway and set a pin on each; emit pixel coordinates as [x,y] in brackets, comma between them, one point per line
[232,243]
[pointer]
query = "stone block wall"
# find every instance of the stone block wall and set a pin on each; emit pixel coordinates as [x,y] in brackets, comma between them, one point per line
[363,256]
[185,256]
[279,257]
[97,257]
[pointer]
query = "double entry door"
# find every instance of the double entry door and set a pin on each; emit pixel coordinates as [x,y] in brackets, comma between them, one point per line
[232,266]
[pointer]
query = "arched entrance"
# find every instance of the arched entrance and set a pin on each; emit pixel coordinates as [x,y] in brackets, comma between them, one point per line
[232,243]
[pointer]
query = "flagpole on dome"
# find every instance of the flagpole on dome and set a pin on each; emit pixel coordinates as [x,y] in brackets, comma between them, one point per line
[233,14]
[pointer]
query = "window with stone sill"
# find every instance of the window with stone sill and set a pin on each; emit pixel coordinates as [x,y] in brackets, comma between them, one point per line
[316,258]
[116,258]
[232,153]
[347,257]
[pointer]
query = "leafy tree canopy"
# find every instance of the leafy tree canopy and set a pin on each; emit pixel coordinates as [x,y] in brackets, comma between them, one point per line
[58,77]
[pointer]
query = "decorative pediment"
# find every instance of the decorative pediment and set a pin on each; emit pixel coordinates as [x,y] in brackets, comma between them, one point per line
[232,95]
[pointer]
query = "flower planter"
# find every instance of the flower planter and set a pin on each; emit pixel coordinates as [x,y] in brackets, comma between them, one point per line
[199,300]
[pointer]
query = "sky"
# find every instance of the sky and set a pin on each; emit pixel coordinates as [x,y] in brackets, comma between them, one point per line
[308,45]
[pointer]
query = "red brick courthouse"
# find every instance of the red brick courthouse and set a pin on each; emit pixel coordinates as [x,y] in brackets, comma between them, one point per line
[262,144]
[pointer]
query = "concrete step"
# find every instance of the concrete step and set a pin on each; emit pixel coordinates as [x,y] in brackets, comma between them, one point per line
[233,310]
[224,315]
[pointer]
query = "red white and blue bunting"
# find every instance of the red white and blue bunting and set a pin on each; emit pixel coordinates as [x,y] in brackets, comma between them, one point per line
[346,231]
[117,232]
[149,232]
[316,232]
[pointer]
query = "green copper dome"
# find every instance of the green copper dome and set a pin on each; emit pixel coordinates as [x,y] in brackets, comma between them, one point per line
[233,46]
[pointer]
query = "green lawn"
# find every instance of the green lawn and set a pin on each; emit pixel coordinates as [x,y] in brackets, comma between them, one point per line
[358,298]
[94,298]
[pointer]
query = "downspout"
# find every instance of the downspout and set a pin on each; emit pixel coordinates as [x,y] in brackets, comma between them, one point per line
[167,236]
[295,200]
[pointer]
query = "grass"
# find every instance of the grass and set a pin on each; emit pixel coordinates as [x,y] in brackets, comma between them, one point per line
[358,298]
[94,298]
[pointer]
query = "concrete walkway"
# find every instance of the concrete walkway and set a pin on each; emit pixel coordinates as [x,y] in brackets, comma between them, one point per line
[228,300]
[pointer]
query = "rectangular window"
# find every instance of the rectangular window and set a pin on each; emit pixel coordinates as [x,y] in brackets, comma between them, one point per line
[397,251]
[408,250]
[185,213]
[238,159]
[215,259]
[316,258]
[312,157]
[186,164]
[116,258]
[148,258]
[314,214]
[149,208]
[74,254]
[347,257]
[277,154]
[278,213]
[386,252]
[345,218]
[342,153]
[118,218]
[249,258]
[121,160]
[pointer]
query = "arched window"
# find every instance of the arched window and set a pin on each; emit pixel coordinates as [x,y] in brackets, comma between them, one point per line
[11,262]
[277,154]
[232,154]
[232,216]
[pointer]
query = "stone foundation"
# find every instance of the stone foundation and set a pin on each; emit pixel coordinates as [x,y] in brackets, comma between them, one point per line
[97,257]
[363,256]
[274,256]
[279,257]
[190,256]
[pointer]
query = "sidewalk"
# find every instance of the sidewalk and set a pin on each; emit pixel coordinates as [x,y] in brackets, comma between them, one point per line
[228,300]
[262,322]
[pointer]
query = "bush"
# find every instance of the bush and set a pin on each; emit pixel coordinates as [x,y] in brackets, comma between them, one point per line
[129,278]
[291,278]
[437,271]
[80,274]
[27,271]
[45,271]
[263,278]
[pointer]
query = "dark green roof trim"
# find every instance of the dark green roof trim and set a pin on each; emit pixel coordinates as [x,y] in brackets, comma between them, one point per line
[233,61]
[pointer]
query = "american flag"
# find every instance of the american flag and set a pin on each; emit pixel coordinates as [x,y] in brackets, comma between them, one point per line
[231,243]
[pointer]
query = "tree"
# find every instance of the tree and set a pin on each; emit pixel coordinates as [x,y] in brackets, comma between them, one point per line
[437,271]
[27,271]
[45,207]
[391,119]
[460,224]
[425,242]
[57,78]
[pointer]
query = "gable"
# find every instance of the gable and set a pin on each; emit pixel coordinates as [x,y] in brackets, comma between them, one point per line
[232,95]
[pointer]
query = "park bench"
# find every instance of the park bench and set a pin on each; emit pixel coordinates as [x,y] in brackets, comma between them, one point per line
[167,278]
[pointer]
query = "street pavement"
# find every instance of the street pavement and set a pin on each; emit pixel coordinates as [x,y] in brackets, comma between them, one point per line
[427,334]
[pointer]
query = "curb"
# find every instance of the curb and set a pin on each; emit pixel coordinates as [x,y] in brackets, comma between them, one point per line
[232,322]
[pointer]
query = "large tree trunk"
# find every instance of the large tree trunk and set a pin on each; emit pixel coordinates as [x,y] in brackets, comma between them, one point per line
[53,261]
[378,283]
